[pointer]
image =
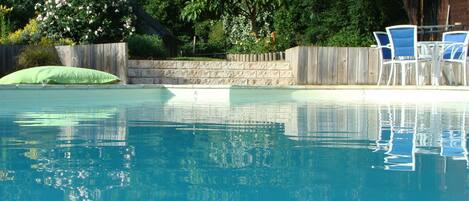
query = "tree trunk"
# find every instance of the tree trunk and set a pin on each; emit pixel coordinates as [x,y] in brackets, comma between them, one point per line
[255,28]
[412,9]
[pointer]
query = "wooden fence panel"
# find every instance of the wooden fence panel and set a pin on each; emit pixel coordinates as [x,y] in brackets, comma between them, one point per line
[333,63]
[312,68]
[342,66]
[323,55]
[373,63]
[8,58]
[272,56]
[362,69]
[353,65]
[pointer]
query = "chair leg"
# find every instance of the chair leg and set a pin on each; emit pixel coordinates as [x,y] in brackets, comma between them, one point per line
[403,74]
[380,73]
[417,83]
[391,70]
[395,75]
[464,64]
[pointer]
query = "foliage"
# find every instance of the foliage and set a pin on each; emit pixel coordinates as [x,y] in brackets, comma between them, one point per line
[284,35]
[349,39]
[87,21]
[23,11]
[4,21]
[251,10]
[210,37]
[342,22]
[32,56]
[217,36]
[167,12]
[30,35]
[147,47]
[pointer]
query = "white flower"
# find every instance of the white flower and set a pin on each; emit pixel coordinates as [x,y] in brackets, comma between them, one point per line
[37,6]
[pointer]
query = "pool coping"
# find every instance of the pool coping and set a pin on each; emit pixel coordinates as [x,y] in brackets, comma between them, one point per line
[289,87]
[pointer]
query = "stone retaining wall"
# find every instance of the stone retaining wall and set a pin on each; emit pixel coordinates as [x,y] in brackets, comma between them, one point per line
[210,72]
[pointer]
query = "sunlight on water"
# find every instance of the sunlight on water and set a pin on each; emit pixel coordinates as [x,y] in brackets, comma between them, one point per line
[270,150]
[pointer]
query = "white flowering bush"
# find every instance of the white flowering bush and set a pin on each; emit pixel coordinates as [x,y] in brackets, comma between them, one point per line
[243,40]
[87,21]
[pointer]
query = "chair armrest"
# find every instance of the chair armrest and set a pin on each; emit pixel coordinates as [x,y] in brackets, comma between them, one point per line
[384,46]
[455,47]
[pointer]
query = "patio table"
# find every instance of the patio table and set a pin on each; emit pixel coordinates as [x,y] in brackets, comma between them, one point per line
[432,49]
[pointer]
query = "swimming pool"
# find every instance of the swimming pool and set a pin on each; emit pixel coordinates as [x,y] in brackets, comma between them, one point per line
[231,144]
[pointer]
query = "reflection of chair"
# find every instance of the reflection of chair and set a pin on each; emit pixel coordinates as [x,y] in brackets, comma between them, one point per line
[402,145]
[454,143]
[382,40]
[402,151]
[385,129]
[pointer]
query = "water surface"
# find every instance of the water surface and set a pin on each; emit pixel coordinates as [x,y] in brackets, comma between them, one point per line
[68,146]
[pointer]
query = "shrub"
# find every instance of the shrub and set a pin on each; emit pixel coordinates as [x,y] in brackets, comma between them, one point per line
[147,47]
[217,37]
[87,21]
[210,39]
[30,35]
[27,35]
[349,39]
[284,29]
[4,21]
[32,56]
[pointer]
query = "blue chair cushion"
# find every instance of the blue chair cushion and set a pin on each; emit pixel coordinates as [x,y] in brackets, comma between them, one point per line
[403,41]
[384,40]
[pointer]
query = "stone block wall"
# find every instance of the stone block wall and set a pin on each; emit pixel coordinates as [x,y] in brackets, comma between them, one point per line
[210,72]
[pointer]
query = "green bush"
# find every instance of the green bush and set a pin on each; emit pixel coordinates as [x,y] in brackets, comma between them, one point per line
[217,37]
[147,47]
[30,35]
[32,56]
[284,29]
[210,39]
[349,39]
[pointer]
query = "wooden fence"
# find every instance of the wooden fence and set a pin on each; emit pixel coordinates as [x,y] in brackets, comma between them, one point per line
[353,66]
[8,56]
[111,57]
[272,56]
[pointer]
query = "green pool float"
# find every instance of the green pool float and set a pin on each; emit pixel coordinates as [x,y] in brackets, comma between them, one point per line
[59,75]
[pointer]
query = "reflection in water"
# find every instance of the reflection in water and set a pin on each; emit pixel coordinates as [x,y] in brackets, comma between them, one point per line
[88,155]
[398,136]
[246,151]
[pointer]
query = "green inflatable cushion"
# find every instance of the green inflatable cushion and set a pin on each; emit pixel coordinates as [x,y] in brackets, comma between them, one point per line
[59,75]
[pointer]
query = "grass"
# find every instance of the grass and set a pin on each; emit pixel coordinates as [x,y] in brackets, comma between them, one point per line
[196,59]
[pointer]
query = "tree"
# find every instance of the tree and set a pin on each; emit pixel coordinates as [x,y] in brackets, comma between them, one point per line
[87,21]
[168,12]
[23,11]
[249,9]
[4,21]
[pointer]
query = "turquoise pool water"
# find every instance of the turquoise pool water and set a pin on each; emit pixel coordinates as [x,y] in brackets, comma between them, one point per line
[151,145]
